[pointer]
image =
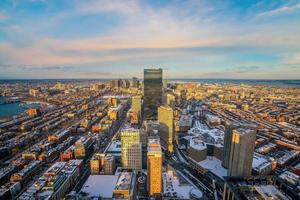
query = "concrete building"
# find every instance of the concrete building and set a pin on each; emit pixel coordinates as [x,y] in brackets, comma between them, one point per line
[237,188]
[152,92]
[131,149]
[241,153]
[102,164]
[125,186]
[229,126]
[165,120]
[154,165]
[197,149]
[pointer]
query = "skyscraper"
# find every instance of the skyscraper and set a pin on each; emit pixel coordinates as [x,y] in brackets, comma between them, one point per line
[131,149]
[152,92]
[165,120]
[154,165]
[135,82]
[241,153]
[136,104]
[229,127]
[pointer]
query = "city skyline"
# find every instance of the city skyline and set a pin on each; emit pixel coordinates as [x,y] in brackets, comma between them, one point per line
[148,139]
[191,39]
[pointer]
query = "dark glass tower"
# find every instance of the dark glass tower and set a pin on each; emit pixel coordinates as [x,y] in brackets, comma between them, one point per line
[152,92]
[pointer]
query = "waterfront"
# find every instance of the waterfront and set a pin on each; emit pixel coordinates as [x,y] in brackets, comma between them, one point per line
[8,110]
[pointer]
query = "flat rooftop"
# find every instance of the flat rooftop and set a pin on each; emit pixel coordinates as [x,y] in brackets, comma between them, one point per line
[214,165]
[124,181]
[99,186]
[263,192]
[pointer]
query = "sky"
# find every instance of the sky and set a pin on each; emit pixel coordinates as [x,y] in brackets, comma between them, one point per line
[219,39]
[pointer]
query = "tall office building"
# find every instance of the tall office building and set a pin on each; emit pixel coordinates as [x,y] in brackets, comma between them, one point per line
[241,153]
[165,120]
[135,82]
[152,92]
[136,104]
[154,165]
[131,149]
[229,127]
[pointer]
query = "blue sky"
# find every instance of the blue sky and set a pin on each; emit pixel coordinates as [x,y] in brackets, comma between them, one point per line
[118,39]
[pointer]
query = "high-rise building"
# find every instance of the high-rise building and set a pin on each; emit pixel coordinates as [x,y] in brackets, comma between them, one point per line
[165,120]
[136,104]
[154,165]
[136,108]
[135,82]
[229,127]
[152,92]
[131,149]
[241,153]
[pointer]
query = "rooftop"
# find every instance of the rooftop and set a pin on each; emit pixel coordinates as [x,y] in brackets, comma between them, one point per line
[124,181]
[214,165]
[263,192]
[99,186]
[174,187]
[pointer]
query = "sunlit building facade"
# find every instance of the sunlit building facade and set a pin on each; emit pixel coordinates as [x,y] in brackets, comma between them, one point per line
[131,149]
[241,153]
[154,164]
[165,120]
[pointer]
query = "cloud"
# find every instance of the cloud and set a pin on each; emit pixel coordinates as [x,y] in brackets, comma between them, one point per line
[291,60]
[146,34]
[233,71]
[36,68]
[96,6]
[281,10]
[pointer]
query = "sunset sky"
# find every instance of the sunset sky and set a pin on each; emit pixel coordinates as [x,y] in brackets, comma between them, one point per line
[118,39]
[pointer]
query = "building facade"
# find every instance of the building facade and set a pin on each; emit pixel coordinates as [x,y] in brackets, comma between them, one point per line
[154,165]
[165,120]
[102,164]
[152,92]
[131,149]
[136,104]
[229,126]
[241,153]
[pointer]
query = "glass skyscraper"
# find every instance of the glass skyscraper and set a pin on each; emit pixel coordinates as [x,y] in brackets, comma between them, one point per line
[152,92]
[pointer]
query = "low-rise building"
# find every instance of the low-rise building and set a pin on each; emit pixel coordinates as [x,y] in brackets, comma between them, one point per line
[125,186]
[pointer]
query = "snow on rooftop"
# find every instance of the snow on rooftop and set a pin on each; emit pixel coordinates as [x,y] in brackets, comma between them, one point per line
[197,143]
[173,187]
[214,165]
[258,160]
[211,136]
[114,147]
[100,186]
[270,192]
